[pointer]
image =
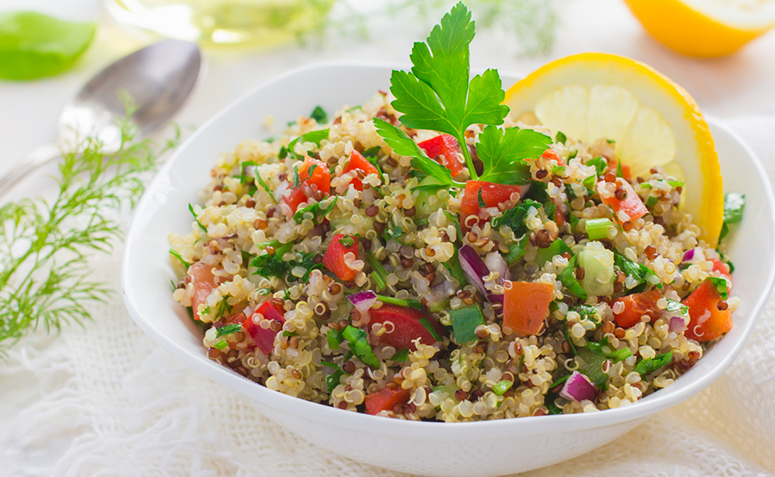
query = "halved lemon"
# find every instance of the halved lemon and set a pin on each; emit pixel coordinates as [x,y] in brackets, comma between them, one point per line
[704,28]
[653,121]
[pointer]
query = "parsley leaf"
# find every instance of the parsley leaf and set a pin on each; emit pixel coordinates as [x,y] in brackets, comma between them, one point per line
[318,213]
[437,94]
[319,115]
[503,153]
[514,218]
[315,137]
[404,145]
[648,366]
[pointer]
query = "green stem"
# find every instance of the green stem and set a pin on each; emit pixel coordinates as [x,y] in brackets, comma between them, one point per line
[461,139]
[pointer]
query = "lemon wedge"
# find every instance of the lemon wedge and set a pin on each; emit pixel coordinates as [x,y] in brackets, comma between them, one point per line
[704,28]
[653,121]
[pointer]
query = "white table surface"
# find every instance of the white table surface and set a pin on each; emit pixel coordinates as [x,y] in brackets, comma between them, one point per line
[739,89]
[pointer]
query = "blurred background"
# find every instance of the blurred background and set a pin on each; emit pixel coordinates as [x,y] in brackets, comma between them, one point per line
[247,42]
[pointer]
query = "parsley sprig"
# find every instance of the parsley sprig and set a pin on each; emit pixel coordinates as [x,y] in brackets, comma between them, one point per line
[439,94]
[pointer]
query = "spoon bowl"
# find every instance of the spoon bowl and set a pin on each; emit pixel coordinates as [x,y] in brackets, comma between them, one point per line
[156,80]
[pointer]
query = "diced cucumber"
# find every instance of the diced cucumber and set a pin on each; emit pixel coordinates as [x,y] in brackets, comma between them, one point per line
[423,205]
[338,224]
[557,247]
[598,265]
[465,321]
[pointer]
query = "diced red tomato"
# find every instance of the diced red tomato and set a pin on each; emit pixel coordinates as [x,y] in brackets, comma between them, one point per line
[359,163]
[525,306]
[385,399]
[406,326]
[492,195]
[631,205]
[550,154]
[723,269]
[445,150]
[635,306]
[320,179]
[707,321]
[626,169]
[204,283]
[334,256]
[264,337]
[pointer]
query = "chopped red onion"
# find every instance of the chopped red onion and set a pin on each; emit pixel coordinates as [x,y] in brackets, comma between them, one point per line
[694,255]
[688,255]
[577,388]
[474,267]
[496,263]
[495,298]
[362,301]
[677,324]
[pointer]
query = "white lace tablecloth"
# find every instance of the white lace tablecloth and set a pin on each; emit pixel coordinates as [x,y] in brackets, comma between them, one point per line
[105,400]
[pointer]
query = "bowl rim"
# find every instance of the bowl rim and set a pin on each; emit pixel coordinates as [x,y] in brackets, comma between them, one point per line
[419,429]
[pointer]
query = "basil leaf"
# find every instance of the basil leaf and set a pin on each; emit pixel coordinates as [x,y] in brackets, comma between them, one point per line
[33,45]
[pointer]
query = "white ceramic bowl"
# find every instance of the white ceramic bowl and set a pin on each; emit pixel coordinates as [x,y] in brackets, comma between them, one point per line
[478,448]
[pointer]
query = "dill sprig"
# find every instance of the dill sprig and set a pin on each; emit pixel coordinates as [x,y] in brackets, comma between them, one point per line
[45,278]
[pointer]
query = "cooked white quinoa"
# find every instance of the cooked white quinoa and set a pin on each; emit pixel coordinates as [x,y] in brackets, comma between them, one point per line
[444,381]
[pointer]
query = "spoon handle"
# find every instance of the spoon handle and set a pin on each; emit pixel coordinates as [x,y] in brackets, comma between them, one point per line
[33,160]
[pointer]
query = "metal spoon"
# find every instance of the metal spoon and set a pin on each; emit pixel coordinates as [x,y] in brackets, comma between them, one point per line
[158,78]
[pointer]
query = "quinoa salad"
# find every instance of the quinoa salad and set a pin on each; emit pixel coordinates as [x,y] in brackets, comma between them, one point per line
[358,261]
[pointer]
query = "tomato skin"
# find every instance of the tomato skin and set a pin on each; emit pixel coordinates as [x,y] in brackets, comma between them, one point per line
[550,154]
[407,326]
[334,257]
[637,305]
[492,195]
[631,205]
[385,399]
[707,321]
[723,269]
[525,306]
[444,149]
[204,283]
[264,337]
[358,162]
[320,179]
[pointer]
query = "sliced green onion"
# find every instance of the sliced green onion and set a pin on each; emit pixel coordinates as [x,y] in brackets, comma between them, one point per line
[598,228]
[397,301]
[502,386]
[221,344]
[465,321]
[379,273]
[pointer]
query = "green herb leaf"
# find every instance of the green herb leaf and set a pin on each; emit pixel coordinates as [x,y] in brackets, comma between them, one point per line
[437,95]
[347,241]
[480,199]
[288,334]
[589,182]
[379,274]
[514,218]
[721,286]
[315,137]
[319,115]
[568,279]
[221,344]
[504,153]
[318,213]
[334,339]
[600,165]
[359,344]
[180,259]
[455,269]
[191,209]
[561,137]
[619,172]
[33,45]
[431,329]
[332,381]
[648,366]
[734,205]
[516,251]
[465,321]
[404,145]
[228,329]
[400,356]
[605,349]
